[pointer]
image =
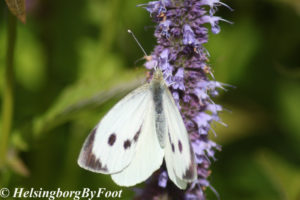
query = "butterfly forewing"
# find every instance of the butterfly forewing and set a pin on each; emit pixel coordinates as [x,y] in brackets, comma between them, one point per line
[111,146]
[179,155]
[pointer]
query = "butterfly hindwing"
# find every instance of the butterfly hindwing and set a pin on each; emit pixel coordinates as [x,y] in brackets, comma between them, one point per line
[111,146]
[148,157]
[179,155]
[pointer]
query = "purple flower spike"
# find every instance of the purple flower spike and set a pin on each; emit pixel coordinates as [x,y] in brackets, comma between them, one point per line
[180,34]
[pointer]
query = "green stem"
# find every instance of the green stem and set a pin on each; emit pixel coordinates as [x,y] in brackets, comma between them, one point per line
[8,99]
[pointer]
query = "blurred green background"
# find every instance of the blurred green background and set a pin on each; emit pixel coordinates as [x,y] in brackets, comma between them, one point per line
[74,60]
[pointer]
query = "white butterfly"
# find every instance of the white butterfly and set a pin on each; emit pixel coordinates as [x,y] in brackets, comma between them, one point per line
[132,139]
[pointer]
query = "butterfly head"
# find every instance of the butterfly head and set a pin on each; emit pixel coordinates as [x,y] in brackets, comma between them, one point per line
[158,75]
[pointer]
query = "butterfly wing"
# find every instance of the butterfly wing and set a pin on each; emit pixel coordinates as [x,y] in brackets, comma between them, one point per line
[110,147]
[148,157]
[179,155]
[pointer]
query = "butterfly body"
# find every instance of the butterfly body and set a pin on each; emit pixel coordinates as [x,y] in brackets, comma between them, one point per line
[158,86]
[137,134]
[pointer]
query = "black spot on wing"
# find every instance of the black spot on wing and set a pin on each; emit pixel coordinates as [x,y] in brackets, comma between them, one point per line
[172,144]
[127,144]
[87,158]
[180,146]
[173,148]
[137,135]
[112,139]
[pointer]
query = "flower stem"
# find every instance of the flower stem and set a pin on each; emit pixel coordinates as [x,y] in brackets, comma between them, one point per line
[8,99]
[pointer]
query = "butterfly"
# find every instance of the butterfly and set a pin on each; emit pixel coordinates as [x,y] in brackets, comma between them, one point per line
[137,134]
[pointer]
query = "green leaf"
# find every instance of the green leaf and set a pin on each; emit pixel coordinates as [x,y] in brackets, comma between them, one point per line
[30,61]
[18,141]
[67,108]
[288,102]
[284,176]
[3,43]
[102,78]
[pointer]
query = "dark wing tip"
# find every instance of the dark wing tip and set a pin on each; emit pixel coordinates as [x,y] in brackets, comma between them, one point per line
[87,159]
[191,172]
[89,162]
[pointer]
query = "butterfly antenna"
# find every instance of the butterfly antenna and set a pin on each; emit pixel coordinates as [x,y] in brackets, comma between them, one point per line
[129,31]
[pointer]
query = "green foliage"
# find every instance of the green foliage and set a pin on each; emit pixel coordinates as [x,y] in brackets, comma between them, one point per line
[289,107]
[243,40]
[284,177]
[30,61]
